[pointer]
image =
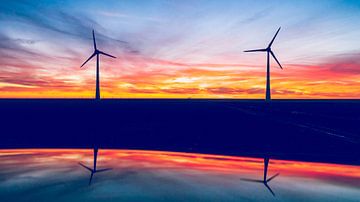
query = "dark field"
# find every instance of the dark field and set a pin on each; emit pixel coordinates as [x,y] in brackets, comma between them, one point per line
[307,130]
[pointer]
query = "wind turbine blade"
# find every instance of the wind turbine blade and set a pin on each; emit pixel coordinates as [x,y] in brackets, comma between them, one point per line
[94,39]
[272,41]
[268,187]
[277,174]
[255,50]
[106,54]
[86,167]
[91,176]
[276,59]
[103,170]
[88,59]
[251,180]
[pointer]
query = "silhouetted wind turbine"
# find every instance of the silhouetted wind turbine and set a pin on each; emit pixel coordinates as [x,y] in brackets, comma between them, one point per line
[94,169]
[269,51]
[265,181]
[97,54]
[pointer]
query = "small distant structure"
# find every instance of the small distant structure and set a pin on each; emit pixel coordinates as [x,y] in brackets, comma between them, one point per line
[268,51]
[94,169]
[266,180]
[97,53]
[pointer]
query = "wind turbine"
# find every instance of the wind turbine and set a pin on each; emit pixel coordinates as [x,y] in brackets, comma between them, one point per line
[268,51]
[97,53]
[265,181]
[94,169]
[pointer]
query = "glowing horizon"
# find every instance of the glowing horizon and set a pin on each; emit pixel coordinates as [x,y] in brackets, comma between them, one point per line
[173,49]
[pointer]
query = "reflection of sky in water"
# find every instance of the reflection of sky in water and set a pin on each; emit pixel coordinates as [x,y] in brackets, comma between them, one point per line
[40,175]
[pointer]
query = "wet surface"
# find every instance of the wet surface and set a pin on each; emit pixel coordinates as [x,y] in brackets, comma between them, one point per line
[43,174]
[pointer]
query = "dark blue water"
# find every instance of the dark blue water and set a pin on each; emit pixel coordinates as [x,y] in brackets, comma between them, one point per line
[320,130]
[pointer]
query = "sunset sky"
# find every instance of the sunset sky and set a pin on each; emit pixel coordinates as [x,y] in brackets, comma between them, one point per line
[179,48]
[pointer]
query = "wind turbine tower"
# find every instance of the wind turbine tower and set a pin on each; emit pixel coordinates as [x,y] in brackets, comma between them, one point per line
[97,53]
[268,52]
